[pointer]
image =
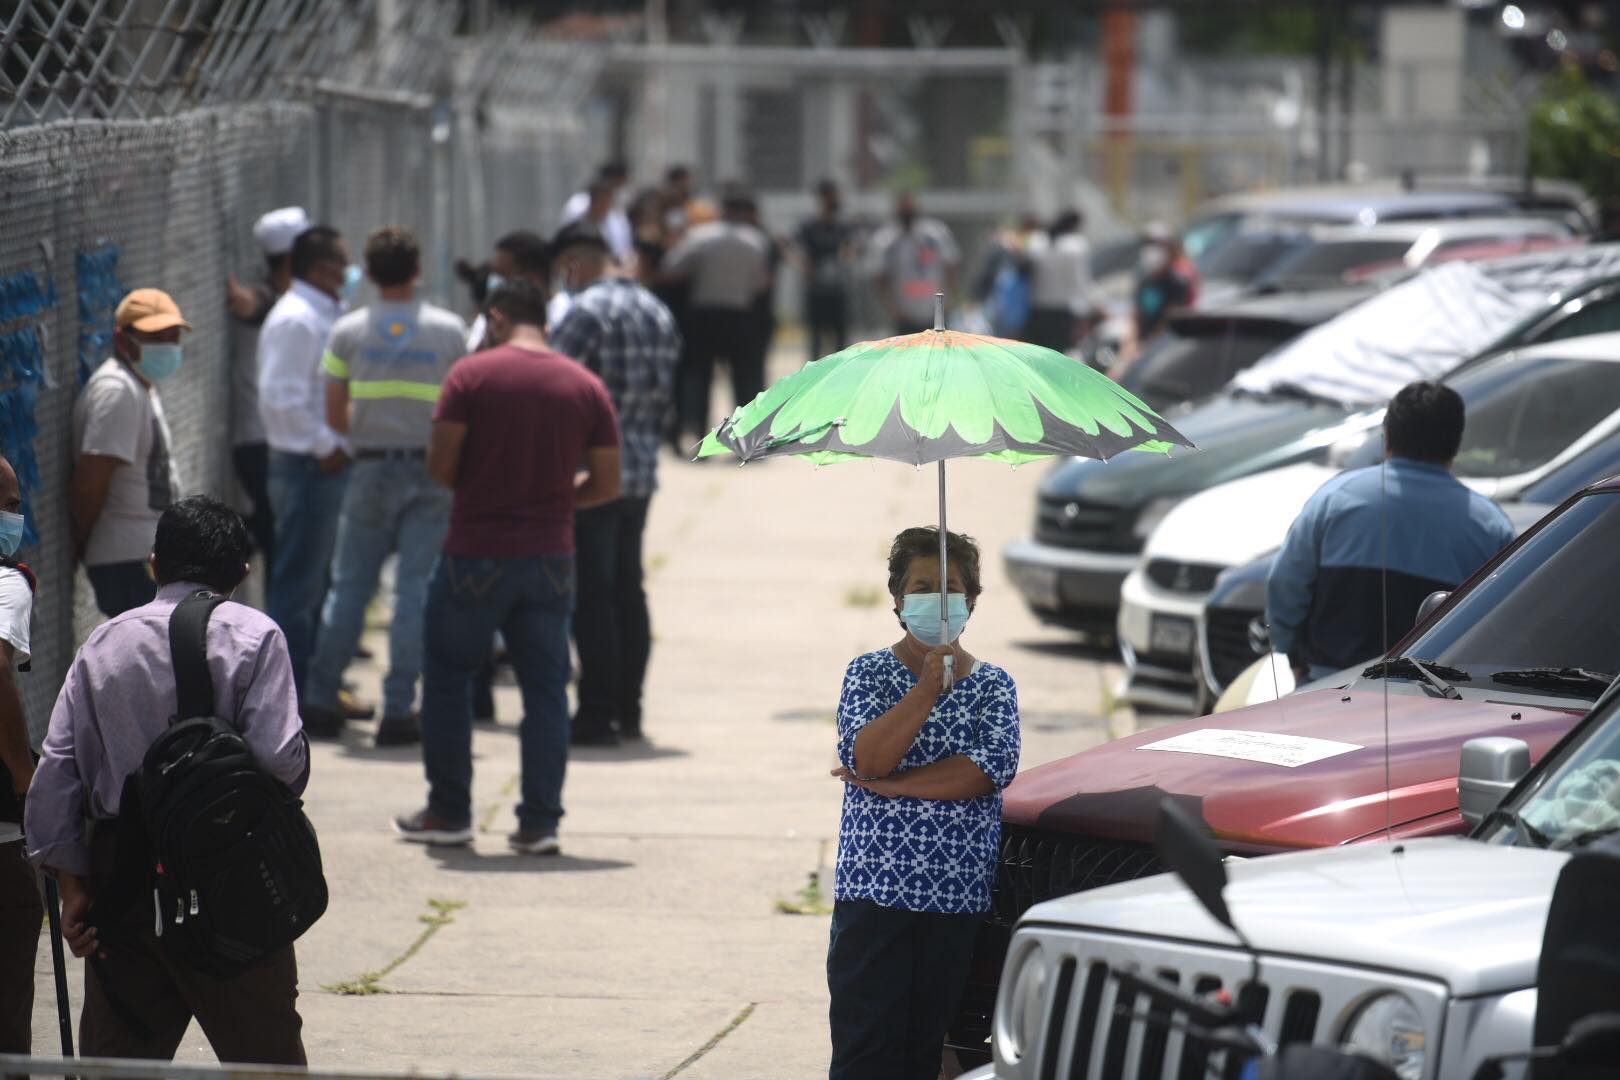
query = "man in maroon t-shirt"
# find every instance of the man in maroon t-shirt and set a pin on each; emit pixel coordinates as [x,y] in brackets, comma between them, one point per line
[514,428]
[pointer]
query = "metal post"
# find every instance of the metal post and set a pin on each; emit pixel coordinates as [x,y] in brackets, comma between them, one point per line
[944,589]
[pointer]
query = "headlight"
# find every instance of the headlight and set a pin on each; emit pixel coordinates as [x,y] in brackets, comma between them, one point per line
[1023,998]
[1389,1029]
[1153,513]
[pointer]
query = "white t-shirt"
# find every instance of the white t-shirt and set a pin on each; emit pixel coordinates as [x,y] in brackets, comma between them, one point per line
[16,610]
[119,416]
[1061,272]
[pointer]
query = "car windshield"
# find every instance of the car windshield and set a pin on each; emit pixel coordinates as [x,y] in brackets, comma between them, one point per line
[1575,799]
[1523,412]
[1186,367]
[1549,605]
[1246,256]
[1329,262]
[1596,463]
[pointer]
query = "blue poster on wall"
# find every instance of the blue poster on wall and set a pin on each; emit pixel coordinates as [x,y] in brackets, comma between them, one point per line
[23,298]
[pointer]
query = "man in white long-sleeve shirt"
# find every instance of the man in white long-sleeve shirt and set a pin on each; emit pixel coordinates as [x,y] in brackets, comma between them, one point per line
[308,460]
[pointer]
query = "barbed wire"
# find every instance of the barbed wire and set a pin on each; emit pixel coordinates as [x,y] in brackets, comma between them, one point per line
[141,59]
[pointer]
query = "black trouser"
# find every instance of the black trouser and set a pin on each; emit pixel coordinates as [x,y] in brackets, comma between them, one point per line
[252,463]
[719,333]
[20,915]
[896,979]
[612,630]
[121,586]
[1051,328]
[826,321]
[140,998]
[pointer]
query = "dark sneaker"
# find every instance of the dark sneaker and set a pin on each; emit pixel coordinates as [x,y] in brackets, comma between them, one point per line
[399,730]
[534,842]
[424,827]
[321,723]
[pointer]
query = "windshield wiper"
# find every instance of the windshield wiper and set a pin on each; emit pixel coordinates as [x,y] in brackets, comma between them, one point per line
[1525,829]
[1430,672]
[1556,678]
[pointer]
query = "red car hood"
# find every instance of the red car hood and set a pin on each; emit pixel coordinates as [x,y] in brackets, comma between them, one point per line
[1114,790]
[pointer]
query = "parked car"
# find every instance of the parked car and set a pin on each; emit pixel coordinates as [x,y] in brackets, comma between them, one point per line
[1093,518]
[1232,632]
[1335,255]
[1522,650]
[1530,412]
[1434,956]
[1201,351]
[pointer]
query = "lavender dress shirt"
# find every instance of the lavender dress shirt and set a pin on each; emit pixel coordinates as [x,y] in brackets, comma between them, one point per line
[120,696]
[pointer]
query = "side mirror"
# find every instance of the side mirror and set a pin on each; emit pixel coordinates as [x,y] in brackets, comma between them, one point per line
[1488,770]
[1189,853]
[1430,602]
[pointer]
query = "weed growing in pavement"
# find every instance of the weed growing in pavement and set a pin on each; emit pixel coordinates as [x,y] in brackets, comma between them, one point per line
[811,900]
[370,982]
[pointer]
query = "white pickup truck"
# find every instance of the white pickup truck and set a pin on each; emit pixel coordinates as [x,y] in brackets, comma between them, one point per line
[1422,955]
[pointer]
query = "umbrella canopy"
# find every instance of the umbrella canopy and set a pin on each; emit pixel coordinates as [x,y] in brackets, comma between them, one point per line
[942,394]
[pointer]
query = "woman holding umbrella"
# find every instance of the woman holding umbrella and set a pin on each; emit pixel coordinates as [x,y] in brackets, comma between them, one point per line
[924,768]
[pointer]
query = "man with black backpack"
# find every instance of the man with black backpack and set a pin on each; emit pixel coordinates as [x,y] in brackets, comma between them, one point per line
[177,735]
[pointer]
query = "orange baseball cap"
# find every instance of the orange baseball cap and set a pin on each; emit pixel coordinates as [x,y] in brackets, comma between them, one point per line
[149,311]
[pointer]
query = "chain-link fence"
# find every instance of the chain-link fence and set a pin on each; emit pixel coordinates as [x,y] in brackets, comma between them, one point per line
[139,141]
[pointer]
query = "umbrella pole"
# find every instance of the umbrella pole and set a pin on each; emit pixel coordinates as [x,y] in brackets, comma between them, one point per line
[944,607]
[944,598]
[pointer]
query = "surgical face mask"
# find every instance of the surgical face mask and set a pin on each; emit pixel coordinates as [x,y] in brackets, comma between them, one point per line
[492,281]
[920,613]
[352,277]
[560,283]
[158,360]
[1153,259]
[11,532]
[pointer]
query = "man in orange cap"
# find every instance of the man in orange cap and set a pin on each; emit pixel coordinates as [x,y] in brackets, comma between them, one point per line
[124,475]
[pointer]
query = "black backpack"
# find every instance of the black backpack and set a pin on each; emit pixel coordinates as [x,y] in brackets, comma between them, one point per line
[230,861]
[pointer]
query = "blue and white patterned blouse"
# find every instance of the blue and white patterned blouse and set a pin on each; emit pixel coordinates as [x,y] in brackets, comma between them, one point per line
[935,855]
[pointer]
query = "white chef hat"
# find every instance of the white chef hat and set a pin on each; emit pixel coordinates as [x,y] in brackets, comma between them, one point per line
[277,230]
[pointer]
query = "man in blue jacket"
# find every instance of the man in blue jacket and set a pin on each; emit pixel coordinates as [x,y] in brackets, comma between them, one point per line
[1372,543]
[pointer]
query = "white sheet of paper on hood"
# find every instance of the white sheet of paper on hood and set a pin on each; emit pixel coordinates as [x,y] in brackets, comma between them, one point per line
[1289,751]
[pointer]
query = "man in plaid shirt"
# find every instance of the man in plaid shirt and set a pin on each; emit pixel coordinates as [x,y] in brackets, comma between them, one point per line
[626,336]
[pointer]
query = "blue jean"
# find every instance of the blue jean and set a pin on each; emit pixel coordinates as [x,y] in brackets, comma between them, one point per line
[307,503]
[529,600]
[391,505]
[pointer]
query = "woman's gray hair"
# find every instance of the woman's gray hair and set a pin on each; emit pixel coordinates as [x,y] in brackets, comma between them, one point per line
[961,551]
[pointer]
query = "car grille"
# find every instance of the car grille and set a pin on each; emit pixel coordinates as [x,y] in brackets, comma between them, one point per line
[1183,577]
[1226,640]
[1074,523]
[1037,865]
[1094,1026]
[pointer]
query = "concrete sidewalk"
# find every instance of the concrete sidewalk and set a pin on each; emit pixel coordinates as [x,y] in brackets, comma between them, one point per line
[654,947]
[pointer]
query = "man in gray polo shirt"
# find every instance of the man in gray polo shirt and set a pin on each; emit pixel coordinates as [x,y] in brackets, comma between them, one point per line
[384,365]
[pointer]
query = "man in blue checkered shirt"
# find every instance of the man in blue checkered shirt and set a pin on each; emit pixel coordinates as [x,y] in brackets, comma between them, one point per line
[627,336]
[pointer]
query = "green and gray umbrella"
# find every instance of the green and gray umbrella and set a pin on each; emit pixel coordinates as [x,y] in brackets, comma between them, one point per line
[941,394]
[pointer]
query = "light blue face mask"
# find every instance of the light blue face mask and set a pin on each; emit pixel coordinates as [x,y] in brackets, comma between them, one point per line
[158,361]
[11,532]
[920,613]
[492,281]
[352,277]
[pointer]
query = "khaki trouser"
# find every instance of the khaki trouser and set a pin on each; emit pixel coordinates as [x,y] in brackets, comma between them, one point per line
[139,1000]
[20,916]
